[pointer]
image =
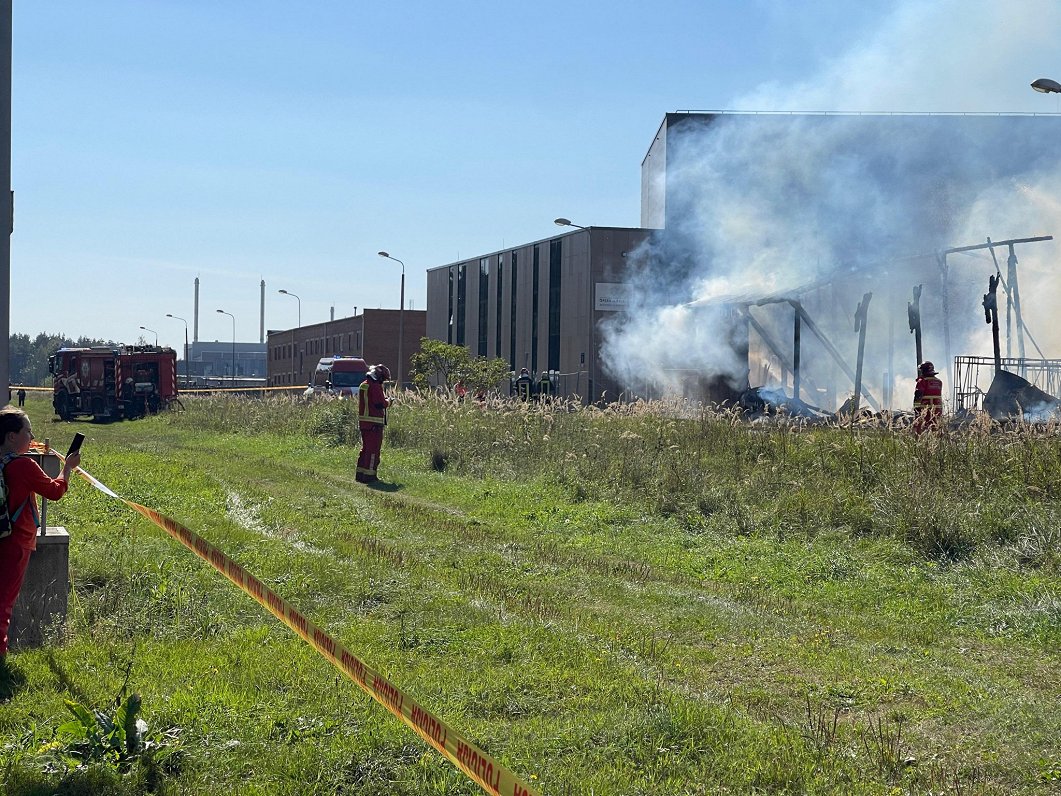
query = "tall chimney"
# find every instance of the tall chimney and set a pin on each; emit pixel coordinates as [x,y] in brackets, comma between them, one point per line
[195,336]
[333,313]
[261,332]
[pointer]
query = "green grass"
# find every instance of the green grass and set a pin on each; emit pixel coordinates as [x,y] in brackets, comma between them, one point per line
[618,602]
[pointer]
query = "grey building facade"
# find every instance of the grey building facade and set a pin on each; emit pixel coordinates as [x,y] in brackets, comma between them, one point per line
[214,360]
[537,306]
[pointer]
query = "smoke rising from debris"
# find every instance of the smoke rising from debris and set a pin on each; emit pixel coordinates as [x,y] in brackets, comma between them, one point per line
[760,205]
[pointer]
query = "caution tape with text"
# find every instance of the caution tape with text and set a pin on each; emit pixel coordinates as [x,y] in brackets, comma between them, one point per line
[483,769]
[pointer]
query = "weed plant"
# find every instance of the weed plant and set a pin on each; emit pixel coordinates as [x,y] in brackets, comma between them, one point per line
[640,599]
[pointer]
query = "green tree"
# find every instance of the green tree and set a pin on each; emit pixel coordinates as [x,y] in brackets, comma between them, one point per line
[443,365]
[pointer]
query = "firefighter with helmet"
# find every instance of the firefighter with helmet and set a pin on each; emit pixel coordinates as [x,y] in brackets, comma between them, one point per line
[545,387]
[524,385]
[371,418]
[928,398]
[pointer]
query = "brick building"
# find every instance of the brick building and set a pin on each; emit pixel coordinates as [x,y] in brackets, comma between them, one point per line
[292,354]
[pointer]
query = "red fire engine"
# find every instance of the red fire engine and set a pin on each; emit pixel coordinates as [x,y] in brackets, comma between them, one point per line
[112,381]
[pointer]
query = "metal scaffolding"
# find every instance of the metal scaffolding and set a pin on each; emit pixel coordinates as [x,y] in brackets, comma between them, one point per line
[973,376]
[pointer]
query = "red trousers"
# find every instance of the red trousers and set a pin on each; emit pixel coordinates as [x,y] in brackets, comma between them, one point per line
[371,444]
[14,560]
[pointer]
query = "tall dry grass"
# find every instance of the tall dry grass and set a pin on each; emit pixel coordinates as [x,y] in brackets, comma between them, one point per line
[948,495]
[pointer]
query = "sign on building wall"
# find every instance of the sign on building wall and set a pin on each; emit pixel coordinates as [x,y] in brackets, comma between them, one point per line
[611,296]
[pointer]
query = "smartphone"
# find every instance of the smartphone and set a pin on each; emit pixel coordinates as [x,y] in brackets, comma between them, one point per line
[75,446]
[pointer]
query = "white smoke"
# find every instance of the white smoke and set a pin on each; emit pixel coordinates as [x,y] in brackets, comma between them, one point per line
[761,205]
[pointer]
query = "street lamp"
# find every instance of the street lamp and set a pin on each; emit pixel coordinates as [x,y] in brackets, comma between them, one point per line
[233,317]
[296,298]
[1045,85]
[152,332]
[293,344]
[566,222]
[187,379]
[401,318]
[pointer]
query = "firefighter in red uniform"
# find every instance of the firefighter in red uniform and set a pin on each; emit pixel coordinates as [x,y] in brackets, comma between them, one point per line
[372,417]
[928,399]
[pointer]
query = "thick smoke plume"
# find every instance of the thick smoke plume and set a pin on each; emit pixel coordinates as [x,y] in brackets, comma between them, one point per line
[829,207]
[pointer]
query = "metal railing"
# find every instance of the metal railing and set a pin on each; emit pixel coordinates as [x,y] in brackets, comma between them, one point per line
[973,377]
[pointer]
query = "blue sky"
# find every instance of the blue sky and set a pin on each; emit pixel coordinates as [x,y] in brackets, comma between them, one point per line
[159,140]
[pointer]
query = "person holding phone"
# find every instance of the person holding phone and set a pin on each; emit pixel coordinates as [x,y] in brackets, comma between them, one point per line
[24,480]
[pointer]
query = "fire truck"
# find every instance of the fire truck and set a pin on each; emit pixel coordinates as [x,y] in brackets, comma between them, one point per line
[109,382]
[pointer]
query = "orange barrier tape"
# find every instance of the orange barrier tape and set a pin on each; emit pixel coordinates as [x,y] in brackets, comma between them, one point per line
[483,769]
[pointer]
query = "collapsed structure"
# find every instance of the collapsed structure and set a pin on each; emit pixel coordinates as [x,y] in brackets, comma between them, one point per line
[792,253]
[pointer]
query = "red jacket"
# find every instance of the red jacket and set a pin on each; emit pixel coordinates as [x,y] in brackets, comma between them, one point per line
[25,479]
[928,396]
[372,403]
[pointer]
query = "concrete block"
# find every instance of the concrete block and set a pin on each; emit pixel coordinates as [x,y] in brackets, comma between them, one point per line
[43,601]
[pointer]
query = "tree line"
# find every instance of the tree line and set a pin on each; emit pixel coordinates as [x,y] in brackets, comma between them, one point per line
[28,361]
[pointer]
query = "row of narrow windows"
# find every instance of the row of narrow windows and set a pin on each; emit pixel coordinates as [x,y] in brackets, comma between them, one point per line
[488,269]
[322,346]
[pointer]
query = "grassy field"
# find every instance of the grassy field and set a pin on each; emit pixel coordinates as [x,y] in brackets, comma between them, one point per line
[621,602]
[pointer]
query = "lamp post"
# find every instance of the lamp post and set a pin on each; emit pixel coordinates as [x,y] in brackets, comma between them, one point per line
[152,332]
[293,343]
[233,317]
[401,320]
[566,222]
[187,378]
[1045,85]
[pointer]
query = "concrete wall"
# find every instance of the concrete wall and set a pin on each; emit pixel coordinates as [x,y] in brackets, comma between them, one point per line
[42,602]
[654,181]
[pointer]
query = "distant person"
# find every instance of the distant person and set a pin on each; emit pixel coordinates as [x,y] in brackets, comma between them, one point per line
[372,406]
[524,385]
[24,480]
[459,390]
[130,406]
[21,395]
[545,387]
[928,398]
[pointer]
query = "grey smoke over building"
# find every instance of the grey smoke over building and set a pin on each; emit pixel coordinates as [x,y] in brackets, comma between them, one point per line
[768,204]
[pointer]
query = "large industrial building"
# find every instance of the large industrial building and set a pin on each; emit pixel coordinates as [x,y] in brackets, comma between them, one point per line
[537,306]
[214,361]
[795,215]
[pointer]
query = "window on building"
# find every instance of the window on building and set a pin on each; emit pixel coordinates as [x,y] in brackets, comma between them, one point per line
[534,308]
[449,315]
[555,252]
[462,288]
[484,303]
[512,312]
[497,306]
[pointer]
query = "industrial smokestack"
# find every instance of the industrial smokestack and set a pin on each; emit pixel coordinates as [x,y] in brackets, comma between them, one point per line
[333,314]
[195,334]
[261,331]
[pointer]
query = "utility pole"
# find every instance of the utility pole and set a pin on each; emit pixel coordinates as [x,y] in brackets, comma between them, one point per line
[913,312]
[7,197]
[860,327]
